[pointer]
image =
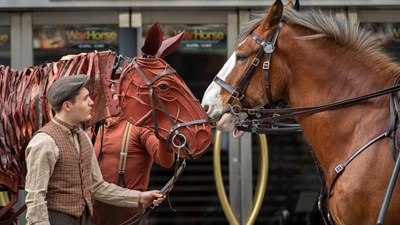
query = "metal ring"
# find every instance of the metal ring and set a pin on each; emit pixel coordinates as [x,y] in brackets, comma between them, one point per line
[173,140]
[236,109]
[261,183]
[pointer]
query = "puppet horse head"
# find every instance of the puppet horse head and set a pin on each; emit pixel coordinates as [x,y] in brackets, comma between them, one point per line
[153,95]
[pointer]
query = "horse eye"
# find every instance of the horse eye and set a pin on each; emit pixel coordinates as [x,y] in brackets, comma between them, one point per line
[163,87]
[241,58]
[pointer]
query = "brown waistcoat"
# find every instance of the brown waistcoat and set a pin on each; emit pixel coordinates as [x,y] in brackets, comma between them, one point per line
[69,185]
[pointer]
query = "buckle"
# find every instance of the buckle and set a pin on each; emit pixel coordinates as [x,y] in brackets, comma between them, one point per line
[255,62]
[339,168]
[266,65]
[236,95]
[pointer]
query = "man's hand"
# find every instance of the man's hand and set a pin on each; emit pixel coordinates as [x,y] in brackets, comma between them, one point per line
[153,196]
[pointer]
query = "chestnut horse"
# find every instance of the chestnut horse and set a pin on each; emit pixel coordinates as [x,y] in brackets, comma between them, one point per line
[343,92]
[145,89]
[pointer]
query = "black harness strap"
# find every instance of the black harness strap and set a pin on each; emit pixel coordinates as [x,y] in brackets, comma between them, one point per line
[237,93]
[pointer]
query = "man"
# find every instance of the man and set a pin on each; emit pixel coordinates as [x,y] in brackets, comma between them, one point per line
[63,175]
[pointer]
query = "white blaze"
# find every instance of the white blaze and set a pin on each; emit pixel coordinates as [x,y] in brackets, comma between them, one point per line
[212,97]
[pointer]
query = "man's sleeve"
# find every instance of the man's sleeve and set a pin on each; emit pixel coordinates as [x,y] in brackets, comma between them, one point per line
[41,157]
[111,193]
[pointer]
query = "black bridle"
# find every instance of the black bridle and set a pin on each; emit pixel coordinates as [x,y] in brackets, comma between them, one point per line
[254,122]
[267,47]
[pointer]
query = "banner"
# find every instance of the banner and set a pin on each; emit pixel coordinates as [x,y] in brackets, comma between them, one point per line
[197,38]
[75,37]
[51,42]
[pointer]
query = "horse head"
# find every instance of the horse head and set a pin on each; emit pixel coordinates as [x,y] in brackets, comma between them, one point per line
[320,63]
[153,95]
[229,92]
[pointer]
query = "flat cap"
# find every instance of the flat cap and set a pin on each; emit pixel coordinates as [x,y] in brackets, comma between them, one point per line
[65,88]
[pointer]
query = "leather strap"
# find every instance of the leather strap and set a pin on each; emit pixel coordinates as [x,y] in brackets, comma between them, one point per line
[123,156]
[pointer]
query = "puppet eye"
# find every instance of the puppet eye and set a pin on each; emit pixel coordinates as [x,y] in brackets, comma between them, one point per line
[163,86]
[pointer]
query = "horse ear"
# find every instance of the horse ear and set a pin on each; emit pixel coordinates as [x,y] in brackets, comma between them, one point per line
[169,45]
[297,5]
[274,15]
[153,41]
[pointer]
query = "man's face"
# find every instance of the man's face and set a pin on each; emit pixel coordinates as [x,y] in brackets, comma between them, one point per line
[82,106]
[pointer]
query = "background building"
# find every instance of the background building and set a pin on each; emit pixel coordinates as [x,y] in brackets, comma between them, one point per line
[34,32]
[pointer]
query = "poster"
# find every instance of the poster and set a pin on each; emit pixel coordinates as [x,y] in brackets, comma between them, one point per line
[51,42]
[197,38]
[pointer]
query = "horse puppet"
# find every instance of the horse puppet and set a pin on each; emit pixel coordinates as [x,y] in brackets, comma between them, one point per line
[146,90]
[340,87]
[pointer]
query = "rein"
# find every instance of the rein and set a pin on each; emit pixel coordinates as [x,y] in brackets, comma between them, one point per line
[270,124]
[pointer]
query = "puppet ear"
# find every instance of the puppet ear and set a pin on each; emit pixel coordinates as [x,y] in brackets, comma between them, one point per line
[169,45]
[289,4]
[274,16]
[154,37]
[295,6]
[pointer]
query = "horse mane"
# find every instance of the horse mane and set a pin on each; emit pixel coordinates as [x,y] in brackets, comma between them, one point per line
[341,30]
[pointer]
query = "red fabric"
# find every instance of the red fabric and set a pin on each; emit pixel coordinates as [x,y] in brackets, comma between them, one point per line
[143,148]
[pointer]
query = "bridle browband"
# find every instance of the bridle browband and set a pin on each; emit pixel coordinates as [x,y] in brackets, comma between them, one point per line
[268,120]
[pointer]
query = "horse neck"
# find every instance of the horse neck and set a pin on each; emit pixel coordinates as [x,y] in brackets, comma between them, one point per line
[92,64]
[320,72]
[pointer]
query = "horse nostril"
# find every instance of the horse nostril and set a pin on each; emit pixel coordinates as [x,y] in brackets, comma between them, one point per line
[206,108]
